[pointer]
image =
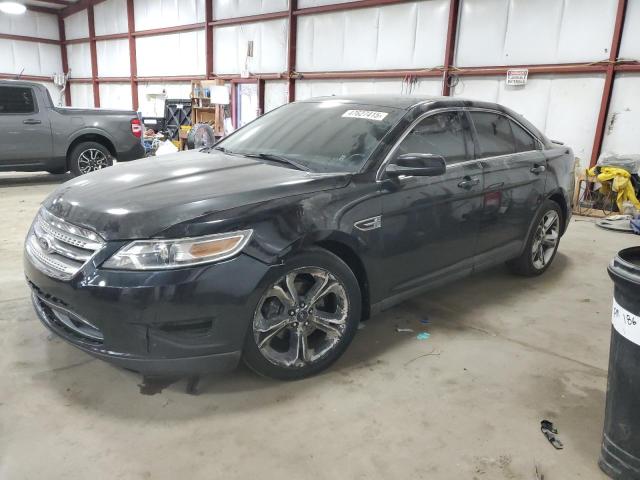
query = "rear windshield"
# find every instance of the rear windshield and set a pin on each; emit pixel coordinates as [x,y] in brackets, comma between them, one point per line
[325,136]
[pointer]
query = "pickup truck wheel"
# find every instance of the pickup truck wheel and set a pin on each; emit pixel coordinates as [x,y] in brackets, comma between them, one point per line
[542,243]
[305,319]
[88,157]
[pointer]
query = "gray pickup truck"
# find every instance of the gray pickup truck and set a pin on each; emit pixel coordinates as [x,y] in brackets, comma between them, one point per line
[37,135]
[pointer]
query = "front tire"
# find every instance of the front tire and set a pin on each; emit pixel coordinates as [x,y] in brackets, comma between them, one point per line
[542,243]
[306,317]
[87,157]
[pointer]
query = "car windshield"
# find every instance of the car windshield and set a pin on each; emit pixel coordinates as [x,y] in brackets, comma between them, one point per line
[324,136]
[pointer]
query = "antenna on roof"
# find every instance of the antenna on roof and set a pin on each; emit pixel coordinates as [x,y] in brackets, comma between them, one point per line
[20,74]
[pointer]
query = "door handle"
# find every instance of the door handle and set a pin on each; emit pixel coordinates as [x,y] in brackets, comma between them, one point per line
[31,121]
[468,183]
[538,169]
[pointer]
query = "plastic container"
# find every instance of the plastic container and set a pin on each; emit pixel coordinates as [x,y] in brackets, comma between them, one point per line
[620,454]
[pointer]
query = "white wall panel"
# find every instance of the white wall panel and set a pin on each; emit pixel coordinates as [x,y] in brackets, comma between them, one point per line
[269,47]
[320,88]
[243,8]
[115,95]
[29,58]
[622,134]
[173,54]
[82,95]
[111,17]
[76,25]
[79,58]
[410,35]
[167,13]
[586,30]
[113,58]
[511,32]
[32,24]
[151,96]
[275,94]
[630,46]
[564,107]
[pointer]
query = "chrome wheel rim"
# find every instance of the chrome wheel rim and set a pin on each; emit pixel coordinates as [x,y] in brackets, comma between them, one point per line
[301,317]
[91,160]
[545,240]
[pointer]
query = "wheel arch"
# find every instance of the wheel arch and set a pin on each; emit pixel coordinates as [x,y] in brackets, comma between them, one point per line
[559,198]
[90,137]
[344,247]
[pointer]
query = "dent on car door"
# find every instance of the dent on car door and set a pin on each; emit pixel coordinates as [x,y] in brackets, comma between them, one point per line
[430,224]
[514,184]
[25,134]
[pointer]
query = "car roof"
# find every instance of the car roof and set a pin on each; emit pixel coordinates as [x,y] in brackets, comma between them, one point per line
[405,102]
[20,83]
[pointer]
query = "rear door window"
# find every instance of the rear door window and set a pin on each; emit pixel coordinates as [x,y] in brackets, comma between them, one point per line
[523,140]
[442,134]
[16,100]
[494,134]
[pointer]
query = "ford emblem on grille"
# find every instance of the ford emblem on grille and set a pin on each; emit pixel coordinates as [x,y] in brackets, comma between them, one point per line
[45,244]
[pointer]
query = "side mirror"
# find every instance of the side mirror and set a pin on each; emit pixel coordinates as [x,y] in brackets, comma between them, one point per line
[417,164]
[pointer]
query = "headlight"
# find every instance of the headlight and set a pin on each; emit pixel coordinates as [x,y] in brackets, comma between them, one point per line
[184,252]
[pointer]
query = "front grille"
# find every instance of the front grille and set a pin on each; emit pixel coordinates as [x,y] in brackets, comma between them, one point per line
[58,248]
[66,320]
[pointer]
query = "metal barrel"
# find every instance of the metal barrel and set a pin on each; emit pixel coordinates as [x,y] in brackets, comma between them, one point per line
[620,453]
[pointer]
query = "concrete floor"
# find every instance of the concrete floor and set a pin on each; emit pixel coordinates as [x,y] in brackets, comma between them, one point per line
[504,353]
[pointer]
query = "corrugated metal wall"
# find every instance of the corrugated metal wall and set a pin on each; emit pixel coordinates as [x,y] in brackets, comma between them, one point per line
[410,35]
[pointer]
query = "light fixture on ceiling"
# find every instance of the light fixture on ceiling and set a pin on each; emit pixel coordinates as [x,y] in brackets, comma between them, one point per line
[12,8]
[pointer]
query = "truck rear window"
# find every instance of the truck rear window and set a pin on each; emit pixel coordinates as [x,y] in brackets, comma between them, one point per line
[16,100]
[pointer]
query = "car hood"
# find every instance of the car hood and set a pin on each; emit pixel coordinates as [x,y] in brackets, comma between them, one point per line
[143,198]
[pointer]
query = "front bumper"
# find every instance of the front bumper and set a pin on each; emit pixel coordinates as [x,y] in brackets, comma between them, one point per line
[179,322]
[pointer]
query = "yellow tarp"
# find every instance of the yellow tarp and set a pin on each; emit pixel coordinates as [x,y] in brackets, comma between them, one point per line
[620,182]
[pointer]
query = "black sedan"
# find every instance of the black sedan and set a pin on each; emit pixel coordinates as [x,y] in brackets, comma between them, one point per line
[274,244]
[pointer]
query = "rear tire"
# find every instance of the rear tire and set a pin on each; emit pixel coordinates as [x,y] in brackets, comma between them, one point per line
[542,243]
[306,317]
[87,157]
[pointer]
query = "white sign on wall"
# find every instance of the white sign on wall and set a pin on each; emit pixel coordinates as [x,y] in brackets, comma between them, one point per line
[517,77]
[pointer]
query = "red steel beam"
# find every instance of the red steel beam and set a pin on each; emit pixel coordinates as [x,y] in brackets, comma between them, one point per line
[65,60]
[450,48]
[51,11]
[569,68]
[292,40]
[133,57]
[94,57]
[261,85]
[29,78]
[365,74]
[601,124]
[628,67]
[166,30]
[208,48]
[79,6]
[248,19]
[26,38]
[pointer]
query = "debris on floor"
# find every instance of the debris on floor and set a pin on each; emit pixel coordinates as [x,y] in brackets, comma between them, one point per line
[538,472]
[423,336]
[361,326]
[432,353]
[618,223]
[551,433]
[404,330]
[424,320]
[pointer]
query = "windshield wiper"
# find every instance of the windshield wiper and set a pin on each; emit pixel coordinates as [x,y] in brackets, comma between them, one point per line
[213,147]
[276,158]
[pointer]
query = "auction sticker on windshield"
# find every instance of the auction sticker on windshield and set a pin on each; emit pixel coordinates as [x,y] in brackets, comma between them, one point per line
[366,114]
[626,323]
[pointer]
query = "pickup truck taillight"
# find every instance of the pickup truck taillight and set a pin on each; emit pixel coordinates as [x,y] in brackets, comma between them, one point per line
[136,127]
